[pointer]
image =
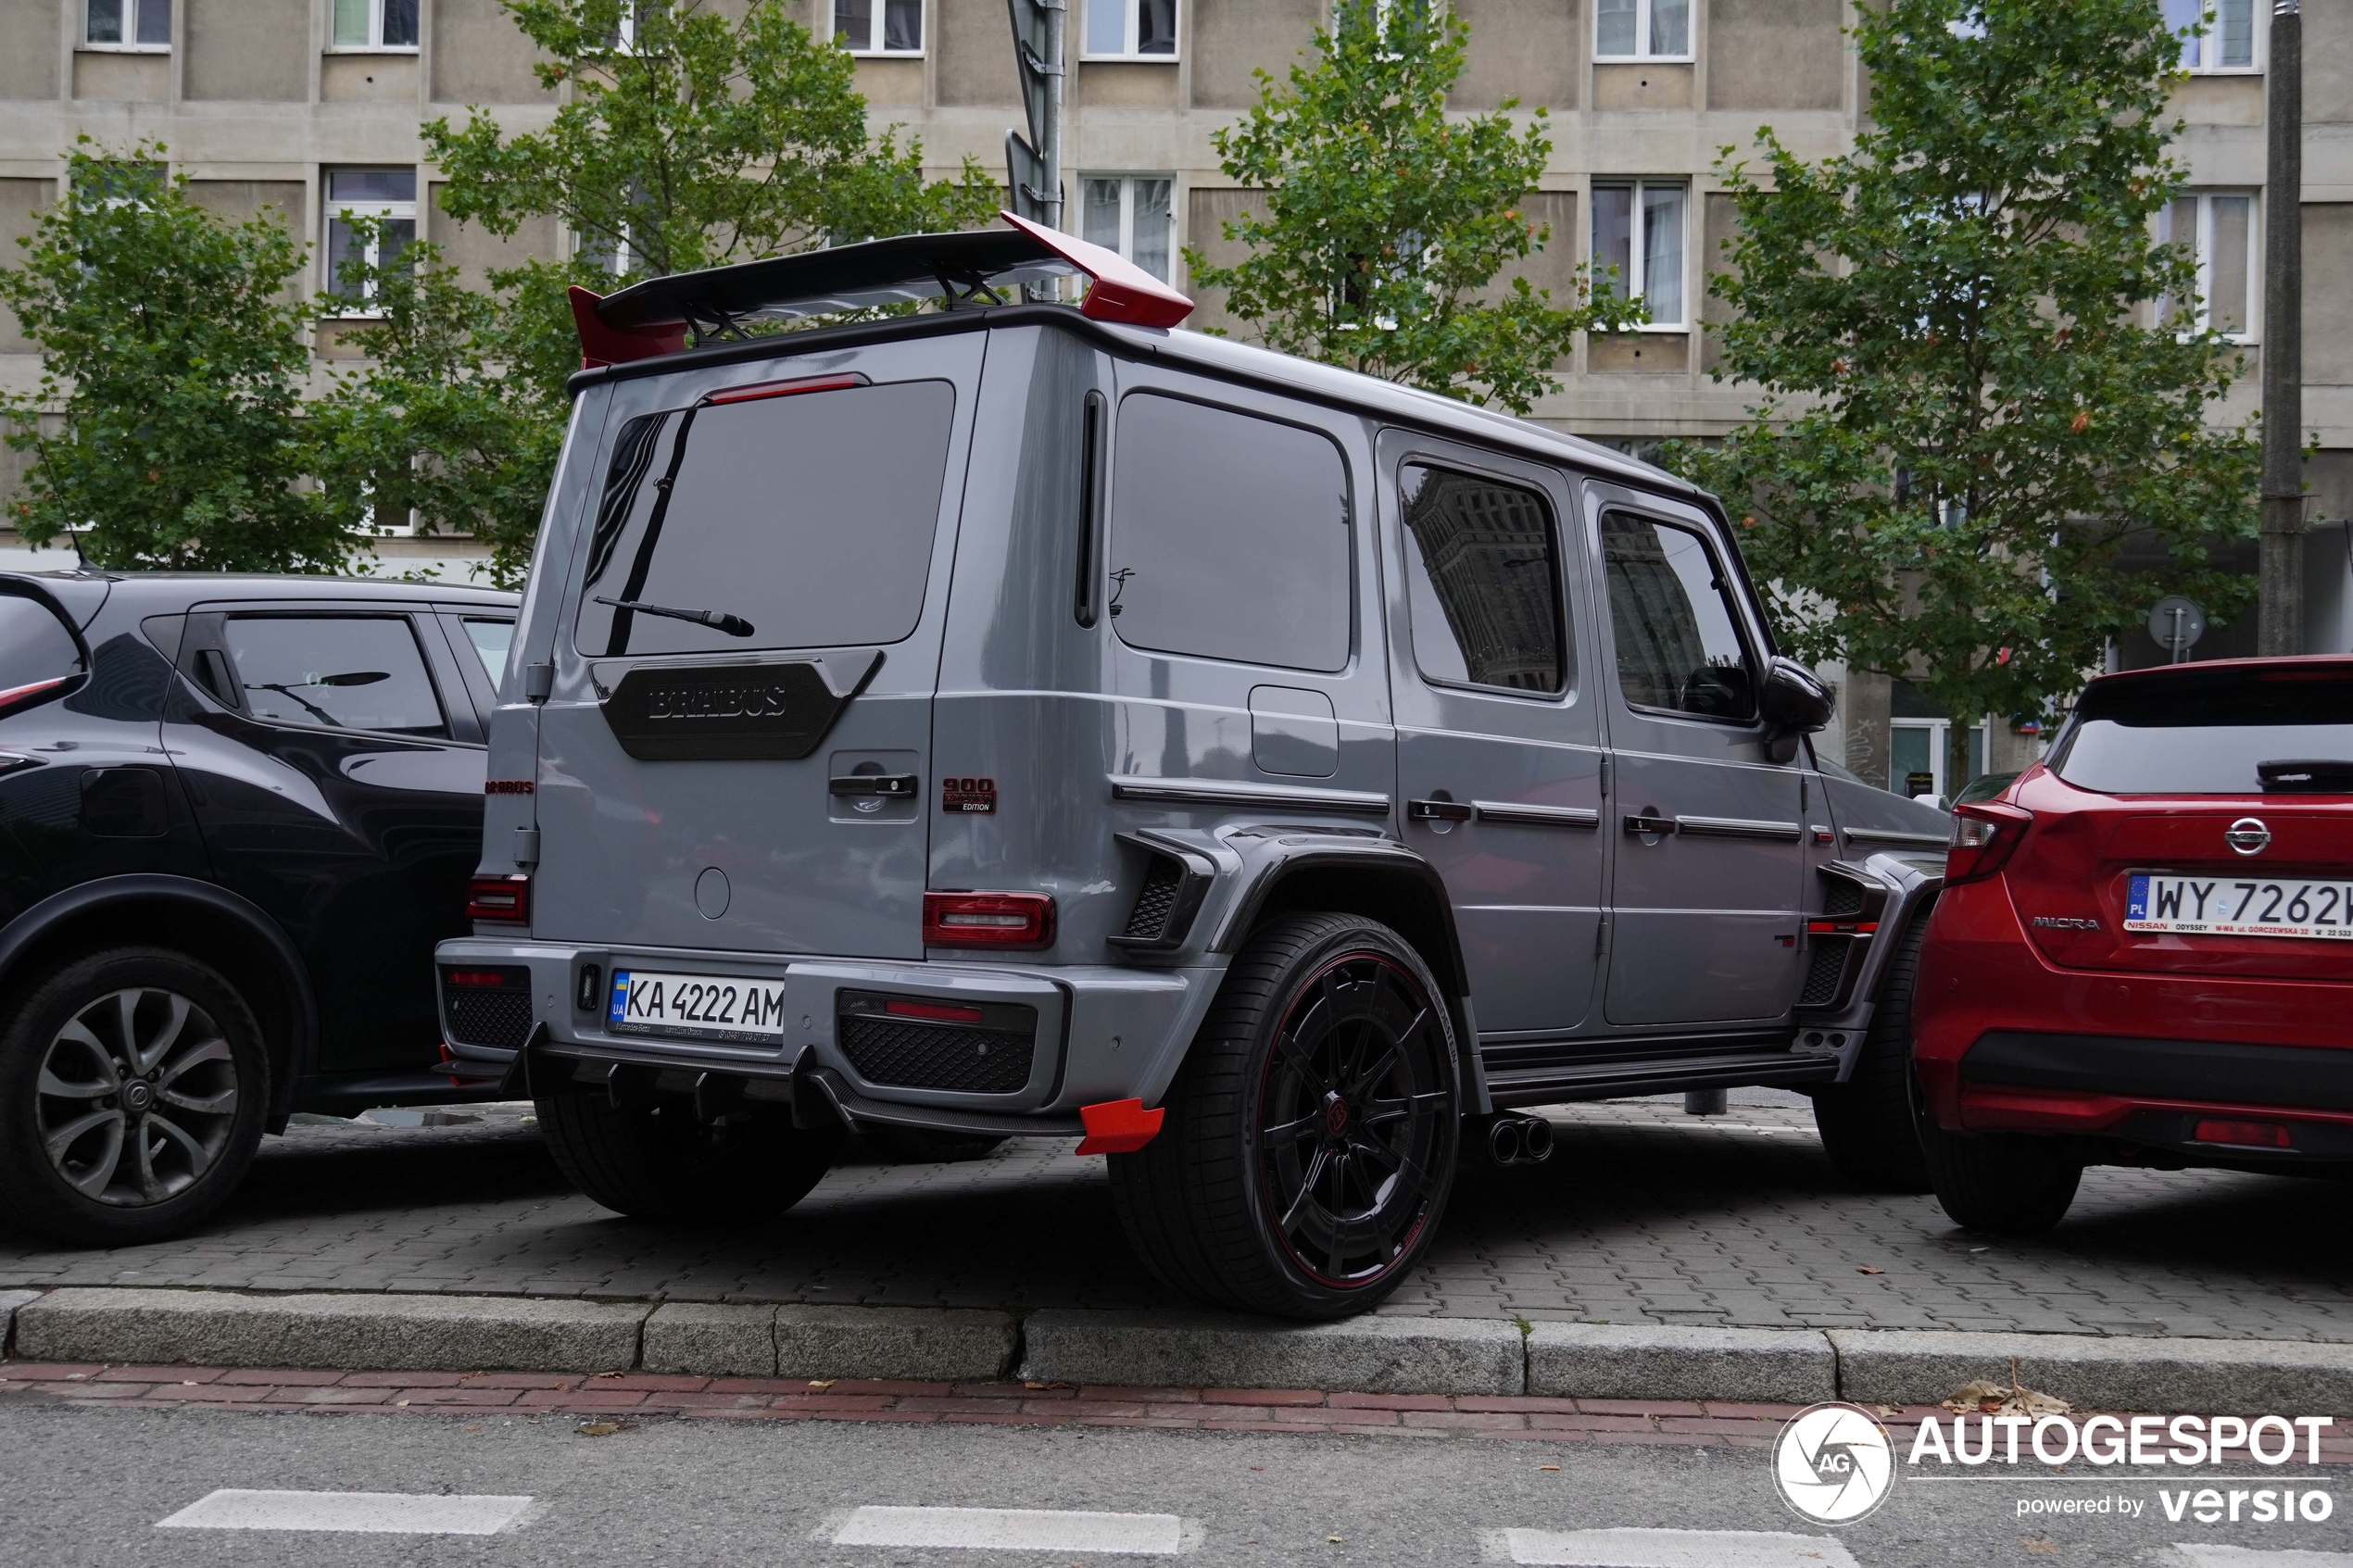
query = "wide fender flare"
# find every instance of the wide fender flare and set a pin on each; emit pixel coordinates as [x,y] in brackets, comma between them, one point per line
[1912,900]
[200,899]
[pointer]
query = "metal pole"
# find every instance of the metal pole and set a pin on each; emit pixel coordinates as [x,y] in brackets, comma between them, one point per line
[2280,620]
[1049,135]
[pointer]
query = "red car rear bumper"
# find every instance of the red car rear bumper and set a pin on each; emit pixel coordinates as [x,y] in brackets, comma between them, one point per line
[2005,1040]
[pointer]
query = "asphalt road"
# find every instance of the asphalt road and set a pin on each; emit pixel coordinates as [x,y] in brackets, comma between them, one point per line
[93,1486]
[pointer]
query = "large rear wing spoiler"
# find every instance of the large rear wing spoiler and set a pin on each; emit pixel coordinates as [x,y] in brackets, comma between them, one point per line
[660,315]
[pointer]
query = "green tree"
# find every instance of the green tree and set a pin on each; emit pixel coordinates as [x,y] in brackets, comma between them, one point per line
[1981,375]
[179,359]
[1387,223]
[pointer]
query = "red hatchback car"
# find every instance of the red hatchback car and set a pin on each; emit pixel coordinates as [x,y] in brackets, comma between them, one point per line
[2143,951]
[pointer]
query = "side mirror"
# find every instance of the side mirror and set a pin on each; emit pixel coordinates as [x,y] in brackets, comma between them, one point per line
[1794,702]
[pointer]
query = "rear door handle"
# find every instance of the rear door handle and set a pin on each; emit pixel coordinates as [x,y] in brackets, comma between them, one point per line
[1438,811]
[1647,821]
[891,787]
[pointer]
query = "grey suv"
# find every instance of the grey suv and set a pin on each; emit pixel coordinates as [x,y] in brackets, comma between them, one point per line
[1014,718]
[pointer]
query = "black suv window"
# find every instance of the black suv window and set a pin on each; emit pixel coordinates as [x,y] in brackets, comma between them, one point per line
[802,521]
[2224,731]
[1482,572]
[1230,536]
[334,671]
[1679,641]
[35,648]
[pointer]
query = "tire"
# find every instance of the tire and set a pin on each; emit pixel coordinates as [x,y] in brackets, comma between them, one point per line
[658,1163]
[157,1063]
[1259,1195]
[920,1145]
[1865,1122]
[2009,1184]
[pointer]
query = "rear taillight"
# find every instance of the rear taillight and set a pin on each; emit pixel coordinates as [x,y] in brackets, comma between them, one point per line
[491,979]
[2246,1134]
[1984,837]
[505,898]
[932,1013]
[987,920]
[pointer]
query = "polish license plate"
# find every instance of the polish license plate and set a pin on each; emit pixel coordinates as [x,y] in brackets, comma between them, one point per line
[2219,906]
[714,1007]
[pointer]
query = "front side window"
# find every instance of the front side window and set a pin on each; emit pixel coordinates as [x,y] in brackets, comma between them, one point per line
[128,24]
[2219,232]
[1670,612]
[1230,536]
[1638,228]
[791,522]
[1642,29]
[2216,35]
[879,27]
[388,196]
[1130,215]
[1482,569]
[1131,29]
[375,24]
[333,673]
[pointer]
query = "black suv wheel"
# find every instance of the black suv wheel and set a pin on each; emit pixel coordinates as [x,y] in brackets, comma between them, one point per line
[657,1161]
[1310,1140]
[132,1089]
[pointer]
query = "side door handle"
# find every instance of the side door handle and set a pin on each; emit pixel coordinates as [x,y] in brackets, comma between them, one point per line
[889,786]
[1648,821]
[1438,811]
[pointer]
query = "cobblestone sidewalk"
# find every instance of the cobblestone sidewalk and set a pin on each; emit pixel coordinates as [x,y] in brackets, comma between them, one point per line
[1643,1215]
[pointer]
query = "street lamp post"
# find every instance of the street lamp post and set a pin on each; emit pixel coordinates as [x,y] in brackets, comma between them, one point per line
[2280,617]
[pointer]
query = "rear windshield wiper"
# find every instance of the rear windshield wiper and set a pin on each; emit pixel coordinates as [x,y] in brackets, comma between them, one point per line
[2314,777]
[718,619]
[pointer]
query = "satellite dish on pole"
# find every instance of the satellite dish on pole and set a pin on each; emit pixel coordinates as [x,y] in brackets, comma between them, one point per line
[2176,624]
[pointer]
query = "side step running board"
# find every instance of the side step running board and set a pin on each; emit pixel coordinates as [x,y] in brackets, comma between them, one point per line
[1616,1080]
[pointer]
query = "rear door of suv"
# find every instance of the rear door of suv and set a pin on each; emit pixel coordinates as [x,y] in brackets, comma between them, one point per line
[735,751]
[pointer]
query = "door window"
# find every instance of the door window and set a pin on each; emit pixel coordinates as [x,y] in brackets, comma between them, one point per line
[1229,537]
[773,522]
[1671,610]
[491,640]
[1482,566]
[334,671]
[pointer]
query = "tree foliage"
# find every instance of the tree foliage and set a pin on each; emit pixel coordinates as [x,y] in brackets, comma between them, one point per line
[171,343]
[1975,397]
[1387,223]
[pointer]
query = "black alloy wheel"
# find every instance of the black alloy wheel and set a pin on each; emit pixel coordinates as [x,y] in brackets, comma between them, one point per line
[1311,1136]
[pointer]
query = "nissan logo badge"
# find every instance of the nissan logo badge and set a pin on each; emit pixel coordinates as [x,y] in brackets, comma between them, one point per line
[2247,835]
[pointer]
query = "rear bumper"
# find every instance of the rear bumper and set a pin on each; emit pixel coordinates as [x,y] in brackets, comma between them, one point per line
[1102,1033]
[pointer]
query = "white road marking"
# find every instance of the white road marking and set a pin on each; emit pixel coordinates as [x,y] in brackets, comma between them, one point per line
[1674,1549]
[386,1513]
[1013,1529]
[2252,1556]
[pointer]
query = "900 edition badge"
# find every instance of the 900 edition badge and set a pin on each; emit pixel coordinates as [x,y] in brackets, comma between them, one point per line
[960,796]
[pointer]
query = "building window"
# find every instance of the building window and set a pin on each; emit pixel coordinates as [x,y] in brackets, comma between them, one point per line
[1131,29]
[2216,35]
[1642,29]
[1638,228]
[386,196]
[1130,215]
[375,24]
[2219,231]
[879,27]
[128,24]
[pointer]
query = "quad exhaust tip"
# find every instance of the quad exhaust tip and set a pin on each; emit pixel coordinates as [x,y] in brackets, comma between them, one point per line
[1520,1140]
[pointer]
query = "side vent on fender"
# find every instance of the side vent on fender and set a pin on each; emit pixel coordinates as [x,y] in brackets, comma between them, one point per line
[1835,939]
[1175,880]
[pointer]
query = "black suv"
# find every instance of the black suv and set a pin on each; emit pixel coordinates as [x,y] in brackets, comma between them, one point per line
[235,815]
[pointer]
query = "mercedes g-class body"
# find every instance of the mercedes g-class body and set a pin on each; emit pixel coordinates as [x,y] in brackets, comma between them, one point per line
[1014,718]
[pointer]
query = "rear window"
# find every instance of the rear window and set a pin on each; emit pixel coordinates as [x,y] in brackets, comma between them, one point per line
[2214,732]
[792,521]
[34,645]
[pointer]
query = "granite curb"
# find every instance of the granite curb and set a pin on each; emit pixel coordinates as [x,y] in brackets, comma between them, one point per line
[1056,1346]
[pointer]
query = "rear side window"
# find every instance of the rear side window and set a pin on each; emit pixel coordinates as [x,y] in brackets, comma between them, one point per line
[491,640]
[1229,537]
[2214,732]
[35,648]
[1482,569]
[791,521]
[333,673]
[1671,611]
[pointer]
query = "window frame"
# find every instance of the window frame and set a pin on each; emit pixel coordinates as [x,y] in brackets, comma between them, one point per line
[2208,41]
[1641,54]
[1637,262]
[1126,242]
[363,308]
[131,9]
[375,44]
[876,25]
[1558,518]
[1733,587]
[2202,244]
[1133,21]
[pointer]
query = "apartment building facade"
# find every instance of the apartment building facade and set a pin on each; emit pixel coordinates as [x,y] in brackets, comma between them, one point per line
[311,108]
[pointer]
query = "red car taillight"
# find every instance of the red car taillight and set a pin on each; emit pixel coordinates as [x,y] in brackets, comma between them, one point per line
[1984,837]
[505,898]
[987,920]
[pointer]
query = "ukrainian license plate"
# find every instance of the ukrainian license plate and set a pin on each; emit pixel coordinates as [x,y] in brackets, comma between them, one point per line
[2218,906]
[716,1006]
